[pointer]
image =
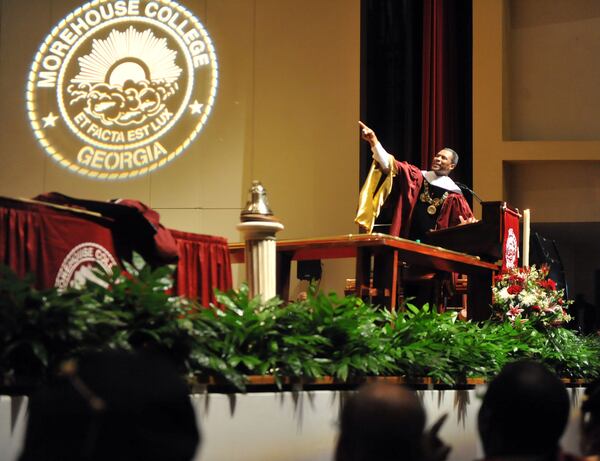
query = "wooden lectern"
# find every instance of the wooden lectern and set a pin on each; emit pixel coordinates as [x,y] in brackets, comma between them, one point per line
[490,238]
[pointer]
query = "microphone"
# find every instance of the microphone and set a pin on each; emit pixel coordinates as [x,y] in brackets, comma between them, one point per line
[465,187]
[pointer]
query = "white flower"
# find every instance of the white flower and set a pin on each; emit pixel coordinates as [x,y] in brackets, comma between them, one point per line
[527,298]
[504,295]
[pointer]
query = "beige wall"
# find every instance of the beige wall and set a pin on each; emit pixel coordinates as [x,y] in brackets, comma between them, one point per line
[575,197]
[285,114]
[536,137]
[553,69]
[498,78]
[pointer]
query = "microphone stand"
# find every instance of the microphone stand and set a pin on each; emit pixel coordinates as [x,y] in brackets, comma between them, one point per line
[465,187]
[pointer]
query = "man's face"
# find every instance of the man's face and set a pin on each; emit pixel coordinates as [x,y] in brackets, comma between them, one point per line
[442,163]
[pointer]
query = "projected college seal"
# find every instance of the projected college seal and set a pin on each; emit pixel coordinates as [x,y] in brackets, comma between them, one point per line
[120,88]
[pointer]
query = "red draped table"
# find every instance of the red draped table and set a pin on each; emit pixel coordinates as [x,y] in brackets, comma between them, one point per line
[59,245]
[203,265]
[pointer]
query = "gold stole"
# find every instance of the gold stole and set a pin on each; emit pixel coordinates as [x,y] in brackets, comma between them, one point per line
[371,198]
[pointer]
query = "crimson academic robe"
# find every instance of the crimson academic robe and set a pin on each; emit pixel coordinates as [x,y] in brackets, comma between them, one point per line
[408,179]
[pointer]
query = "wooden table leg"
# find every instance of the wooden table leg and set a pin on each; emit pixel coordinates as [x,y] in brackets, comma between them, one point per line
[363,273]
[284,267]
[393,286]
[385,278]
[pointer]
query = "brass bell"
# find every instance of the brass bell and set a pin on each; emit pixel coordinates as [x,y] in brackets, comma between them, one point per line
[258,205]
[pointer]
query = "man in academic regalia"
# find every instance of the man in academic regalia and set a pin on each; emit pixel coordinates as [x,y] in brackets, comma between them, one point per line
[422,201]
[426,199]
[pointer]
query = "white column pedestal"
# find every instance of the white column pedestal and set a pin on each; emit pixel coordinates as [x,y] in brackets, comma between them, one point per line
[261,255]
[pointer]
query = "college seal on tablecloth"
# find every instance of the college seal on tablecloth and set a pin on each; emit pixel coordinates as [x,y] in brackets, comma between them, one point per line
[80,264]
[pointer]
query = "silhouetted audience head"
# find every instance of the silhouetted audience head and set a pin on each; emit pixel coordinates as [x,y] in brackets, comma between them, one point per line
[524,412]
[113,406]
[590,421]
[381,422]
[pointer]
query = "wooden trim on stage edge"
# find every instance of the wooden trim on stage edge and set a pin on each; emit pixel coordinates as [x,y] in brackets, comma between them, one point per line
[260,383]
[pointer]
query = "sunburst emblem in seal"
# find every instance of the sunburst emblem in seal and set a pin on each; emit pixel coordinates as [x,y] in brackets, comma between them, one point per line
[126,79]
[120,88]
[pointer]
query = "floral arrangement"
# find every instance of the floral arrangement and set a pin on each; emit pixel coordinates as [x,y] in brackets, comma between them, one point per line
[527,294]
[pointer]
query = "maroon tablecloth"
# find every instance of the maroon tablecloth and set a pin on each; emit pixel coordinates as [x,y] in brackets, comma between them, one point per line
[203,265]
[56,246]
[59,245]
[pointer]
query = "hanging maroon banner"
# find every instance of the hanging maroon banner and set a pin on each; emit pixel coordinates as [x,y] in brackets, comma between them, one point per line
[510,249]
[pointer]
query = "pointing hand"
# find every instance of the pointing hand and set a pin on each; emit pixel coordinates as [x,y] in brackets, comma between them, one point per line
[367,134]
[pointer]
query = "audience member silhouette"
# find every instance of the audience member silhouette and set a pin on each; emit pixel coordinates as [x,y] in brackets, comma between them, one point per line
[523,414]
[385,422]
[113,406]
[590,422]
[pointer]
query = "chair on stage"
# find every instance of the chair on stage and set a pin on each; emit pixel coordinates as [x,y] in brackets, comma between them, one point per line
[415,285]
[545,251]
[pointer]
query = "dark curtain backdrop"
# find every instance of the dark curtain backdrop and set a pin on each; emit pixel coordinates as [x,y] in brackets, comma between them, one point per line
[416,80]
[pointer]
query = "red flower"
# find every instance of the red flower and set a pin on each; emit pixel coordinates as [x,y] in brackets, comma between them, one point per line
[548,284]
[536,308]
[514,289]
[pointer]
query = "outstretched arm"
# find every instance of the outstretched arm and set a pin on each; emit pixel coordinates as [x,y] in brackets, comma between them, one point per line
[380,155]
